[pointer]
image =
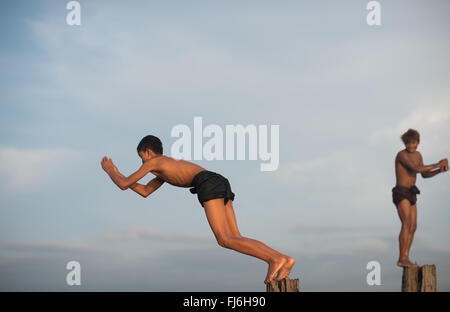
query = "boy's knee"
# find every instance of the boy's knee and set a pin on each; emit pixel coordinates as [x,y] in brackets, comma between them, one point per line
[409,226]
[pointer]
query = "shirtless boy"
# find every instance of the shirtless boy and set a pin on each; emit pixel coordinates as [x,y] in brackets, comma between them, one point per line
[408,164]
[213,192]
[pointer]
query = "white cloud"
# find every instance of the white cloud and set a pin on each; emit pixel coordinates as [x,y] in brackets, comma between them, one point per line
[348,177]
[319,258]
[342,239]
[332,244]
[142,234]
[50,247]
[370,245]
[31,169]
[338,228]
[141,69]
[362,175]
[426,118]
[430,115]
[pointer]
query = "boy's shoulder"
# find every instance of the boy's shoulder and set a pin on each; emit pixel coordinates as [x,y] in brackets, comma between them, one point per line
[404,153]
[159,158]
[400,153]
[155,161]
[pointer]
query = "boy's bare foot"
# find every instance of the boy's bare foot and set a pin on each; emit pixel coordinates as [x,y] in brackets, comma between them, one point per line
[406,263]
[286,269]
[274,267]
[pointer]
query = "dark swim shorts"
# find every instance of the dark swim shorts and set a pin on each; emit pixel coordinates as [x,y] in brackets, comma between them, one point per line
[209,185]
[401,192]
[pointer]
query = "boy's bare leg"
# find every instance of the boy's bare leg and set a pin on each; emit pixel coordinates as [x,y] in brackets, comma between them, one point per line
[232,224]
[408,215]
[412,228]
[217,218]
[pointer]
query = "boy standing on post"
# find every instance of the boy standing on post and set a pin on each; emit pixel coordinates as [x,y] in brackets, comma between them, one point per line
[408,164]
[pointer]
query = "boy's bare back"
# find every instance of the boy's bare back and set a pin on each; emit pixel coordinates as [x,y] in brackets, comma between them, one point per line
[177,172]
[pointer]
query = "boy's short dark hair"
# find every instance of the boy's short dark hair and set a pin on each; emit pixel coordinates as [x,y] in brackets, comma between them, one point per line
[410,135]
[150,142]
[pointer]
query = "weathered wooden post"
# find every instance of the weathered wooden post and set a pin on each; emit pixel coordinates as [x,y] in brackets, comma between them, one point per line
[285,285]
[421,279]
[410,280]
[429,280]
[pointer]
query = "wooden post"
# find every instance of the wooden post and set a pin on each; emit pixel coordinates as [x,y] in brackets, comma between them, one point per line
[285,285]
[422,279]
[429,281]
[410,280]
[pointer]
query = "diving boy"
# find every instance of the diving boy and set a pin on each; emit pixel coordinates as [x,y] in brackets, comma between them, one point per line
[213,192]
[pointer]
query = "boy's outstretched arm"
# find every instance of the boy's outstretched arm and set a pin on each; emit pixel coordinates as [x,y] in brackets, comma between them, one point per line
[120,180]
[432,173]
[145,190]
[418,168]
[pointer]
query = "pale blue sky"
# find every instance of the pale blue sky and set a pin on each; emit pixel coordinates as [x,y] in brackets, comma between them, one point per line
[341,91]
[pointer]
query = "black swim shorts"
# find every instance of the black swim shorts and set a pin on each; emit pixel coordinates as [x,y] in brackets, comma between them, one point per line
[209,185]
[401,192]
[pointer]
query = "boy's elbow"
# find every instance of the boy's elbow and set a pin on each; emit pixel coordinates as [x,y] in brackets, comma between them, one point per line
[144,194]
[147,194]
[124,184]
[421,170]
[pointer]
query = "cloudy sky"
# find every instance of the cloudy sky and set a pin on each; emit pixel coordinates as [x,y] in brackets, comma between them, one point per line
[342,93]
